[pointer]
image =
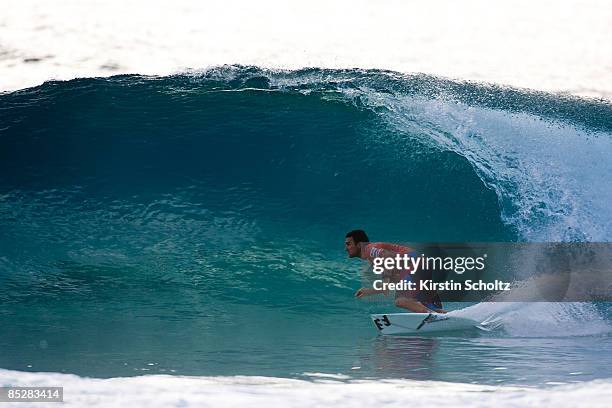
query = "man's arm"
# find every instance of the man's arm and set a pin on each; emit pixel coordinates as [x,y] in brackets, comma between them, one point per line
[389,275]
[369,292]
[386,275]
[411,304]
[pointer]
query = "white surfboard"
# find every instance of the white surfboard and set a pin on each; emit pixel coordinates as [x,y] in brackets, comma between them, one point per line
[416,323]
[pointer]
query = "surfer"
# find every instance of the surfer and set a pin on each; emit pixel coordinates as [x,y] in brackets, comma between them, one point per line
[358,245]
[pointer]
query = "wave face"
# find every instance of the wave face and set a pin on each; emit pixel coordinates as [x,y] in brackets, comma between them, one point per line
[195,222]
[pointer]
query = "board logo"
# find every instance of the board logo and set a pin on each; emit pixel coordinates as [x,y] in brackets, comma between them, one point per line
[384,321]
[431,318]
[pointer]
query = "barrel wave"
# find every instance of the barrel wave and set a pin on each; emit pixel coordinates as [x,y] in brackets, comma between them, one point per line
[205,209]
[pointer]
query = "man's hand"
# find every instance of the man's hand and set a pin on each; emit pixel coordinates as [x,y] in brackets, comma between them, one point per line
[365,292]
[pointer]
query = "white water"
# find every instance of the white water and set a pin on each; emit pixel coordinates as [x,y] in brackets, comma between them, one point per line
[240,391]
[538,319]
[539,168]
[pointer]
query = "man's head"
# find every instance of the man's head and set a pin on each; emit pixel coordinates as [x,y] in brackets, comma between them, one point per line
[352,240]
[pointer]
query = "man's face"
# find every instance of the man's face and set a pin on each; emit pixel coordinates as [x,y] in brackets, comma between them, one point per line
[351,248]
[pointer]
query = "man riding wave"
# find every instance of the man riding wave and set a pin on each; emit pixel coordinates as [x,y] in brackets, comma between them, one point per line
[358,245]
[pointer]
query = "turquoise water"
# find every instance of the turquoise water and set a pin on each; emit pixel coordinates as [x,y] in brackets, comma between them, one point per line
[194,224]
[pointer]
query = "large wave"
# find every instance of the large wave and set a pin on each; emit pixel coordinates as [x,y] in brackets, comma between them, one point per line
[186,198]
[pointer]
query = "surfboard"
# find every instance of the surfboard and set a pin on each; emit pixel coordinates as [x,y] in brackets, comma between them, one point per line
[416,323]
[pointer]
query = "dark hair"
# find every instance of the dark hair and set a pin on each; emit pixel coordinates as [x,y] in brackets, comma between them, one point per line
[358,236]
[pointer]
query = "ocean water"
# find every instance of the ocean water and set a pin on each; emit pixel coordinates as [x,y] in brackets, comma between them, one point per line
[193,225]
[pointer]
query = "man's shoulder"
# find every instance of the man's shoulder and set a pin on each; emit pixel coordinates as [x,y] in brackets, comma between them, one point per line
[370,250]
[389,246]
[375,249]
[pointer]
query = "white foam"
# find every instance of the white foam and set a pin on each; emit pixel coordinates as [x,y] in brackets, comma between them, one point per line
[538,319]
[538,167]
[242,391]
